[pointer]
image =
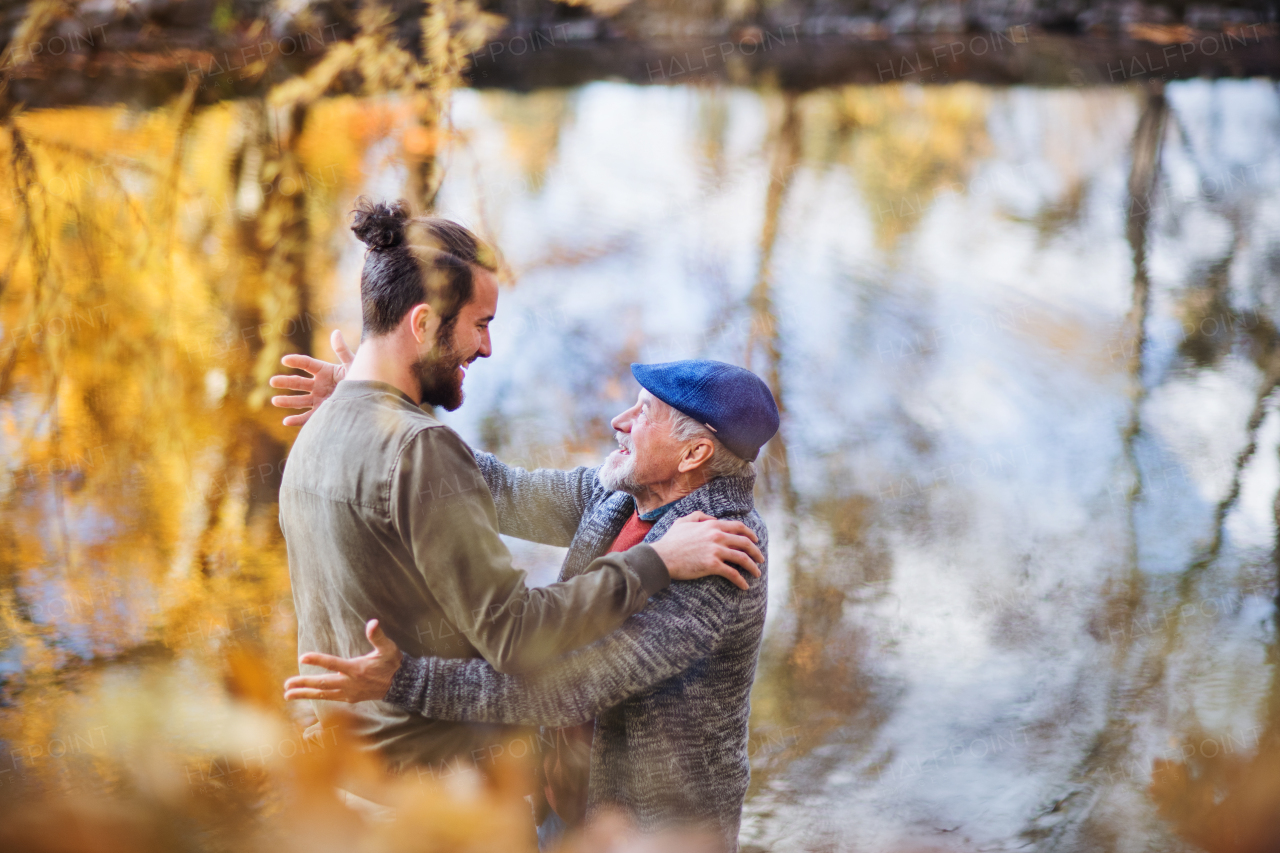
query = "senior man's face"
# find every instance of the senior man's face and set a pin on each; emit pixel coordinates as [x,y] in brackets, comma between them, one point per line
[647,454]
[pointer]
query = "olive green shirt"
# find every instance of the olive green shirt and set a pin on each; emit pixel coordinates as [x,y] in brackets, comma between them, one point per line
[385,514]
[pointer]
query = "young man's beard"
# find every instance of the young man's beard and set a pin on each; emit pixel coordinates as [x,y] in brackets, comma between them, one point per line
[437,373]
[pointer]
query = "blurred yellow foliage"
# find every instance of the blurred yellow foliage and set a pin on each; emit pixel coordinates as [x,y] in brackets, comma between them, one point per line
[905,143]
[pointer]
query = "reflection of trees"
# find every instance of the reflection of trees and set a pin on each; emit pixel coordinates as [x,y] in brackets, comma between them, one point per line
[1226,800]
[811,681]
[1219,798]
[1143,172]
[909,143]
[1074,812]
[1212,303]
[785,157]
[903,146]
[532,124]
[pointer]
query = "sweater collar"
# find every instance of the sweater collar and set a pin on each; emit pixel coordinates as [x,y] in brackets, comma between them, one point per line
[719,497]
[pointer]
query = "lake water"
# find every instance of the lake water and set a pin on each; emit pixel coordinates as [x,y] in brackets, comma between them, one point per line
[1022,505]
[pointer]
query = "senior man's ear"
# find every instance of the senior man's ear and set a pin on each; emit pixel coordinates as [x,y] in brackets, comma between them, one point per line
[695,454]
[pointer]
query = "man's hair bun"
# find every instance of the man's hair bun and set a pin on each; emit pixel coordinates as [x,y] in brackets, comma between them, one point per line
[379,225]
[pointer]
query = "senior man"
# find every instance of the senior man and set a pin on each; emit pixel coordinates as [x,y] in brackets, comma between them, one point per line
[670,690]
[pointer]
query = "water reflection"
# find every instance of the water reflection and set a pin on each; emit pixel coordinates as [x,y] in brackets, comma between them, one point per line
[1023,503]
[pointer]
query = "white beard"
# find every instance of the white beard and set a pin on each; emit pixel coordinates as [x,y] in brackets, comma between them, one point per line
[617,472]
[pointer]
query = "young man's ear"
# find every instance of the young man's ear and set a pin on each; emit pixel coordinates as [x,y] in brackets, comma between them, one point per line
[423,322]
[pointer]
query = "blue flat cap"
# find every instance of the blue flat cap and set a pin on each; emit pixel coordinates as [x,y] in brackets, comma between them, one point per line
[735,403]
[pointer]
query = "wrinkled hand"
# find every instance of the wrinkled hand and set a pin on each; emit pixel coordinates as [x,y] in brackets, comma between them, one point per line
[352,679]
[318,386]
[698,545]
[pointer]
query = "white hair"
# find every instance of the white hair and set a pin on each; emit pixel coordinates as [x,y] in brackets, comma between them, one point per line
[723,462]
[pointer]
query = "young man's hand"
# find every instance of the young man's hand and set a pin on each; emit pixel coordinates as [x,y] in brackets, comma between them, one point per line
[698,545]
[352,679]
[318,386]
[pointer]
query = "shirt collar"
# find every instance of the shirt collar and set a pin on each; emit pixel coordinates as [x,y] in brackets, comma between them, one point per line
[655,514]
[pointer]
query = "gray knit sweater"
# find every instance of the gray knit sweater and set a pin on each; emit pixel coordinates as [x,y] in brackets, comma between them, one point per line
[669,690]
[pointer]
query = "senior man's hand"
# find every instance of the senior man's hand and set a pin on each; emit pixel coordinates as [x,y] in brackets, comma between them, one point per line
[698,546]
[317,387]
[350,679]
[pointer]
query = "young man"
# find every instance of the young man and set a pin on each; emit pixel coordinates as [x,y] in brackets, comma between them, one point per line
[669,691]
[385,512]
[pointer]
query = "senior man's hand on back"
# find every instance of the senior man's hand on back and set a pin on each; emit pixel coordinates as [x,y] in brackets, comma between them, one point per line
[698,545]
[317,387]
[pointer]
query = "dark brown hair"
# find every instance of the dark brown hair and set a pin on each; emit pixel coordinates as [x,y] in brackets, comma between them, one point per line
[413,260]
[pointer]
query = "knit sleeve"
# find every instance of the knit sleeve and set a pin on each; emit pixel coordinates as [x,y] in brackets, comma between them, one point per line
[542,506]
[681,625]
